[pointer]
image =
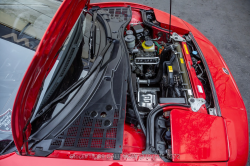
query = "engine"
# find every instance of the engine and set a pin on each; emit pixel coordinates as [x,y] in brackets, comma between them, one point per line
[158,69]
[165,70]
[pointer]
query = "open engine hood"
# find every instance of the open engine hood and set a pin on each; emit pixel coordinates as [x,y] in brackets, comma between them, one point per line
[43,60]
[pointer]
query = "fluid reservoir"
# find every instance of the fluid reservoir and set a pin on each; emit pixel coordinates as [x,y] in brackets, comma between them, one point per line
[130,40]
[129,32]
[148,46]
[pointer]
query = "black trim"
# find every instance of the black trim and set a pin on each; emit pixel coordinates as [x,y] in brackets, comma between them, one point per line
[149,24]
[66,60]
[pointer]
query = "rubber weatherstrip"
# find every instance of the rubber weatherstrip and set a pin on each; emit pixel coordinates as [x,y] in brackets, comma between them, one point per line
[208,74]
[149,24]
[131,92]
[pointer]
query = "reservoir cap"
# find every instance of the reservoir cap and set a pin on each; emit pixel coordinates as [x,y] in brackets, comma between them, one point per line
[149,43]
[194,52]
[129,32]
[129,38]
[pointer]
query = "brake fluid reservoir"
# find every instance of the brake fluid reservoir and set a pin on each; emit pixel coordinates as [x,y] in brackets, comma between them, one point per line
[148,46]
[130,40]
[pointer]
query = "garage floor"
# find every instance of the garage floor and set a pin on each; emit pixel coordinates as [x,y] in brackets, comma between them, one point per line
[226,23]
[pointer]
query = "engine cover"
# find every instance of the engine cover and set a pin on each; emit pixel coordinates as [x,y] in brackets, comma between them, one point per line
[147,97]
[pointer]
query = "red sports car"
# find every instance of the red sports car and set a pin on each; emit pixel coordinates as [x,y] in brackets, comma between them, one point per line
[127,84]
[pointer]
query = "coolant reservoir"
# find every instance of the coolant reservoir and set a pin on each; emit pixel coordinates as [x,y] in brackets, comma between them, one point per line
[148,46]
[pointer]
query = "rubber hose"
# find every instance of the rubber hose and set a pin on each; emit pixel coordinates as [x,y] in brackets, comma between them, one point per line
[132,97]
[177,91]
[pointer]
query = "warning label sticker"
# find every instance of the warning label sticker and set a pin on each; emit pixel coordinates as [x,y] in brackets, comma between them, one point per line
[181,59]
[5,121]
[186,49]
[170,68]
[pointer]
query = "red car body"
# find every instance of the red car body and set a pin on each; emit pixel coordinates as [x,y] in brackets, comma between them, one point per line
[232,125]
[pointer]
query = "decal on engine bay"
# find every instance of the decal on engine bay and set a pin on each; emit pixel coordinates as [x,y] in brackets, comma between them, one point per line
[186,49]
[170,68]
[181,59]
[5,119]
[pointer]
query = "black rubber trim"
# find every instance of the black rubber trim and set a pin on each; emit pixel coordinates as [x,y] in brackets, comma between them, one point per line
[131,91]
[208,74]
[149,24]
[64,64]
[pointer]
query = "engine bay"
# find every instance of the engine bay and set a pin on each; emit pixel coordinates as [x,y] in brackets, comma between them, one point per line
[166,70]
[149,72]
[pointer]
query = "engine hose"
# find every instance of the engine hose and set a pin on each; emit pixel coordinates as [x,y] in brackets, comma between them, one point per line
[157,79]
[150,125]
[132,98]
[177,91]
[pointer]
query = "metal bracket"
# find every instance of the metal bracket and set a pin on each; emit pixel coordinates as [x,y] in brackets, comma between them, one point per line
[212,111]
[177,37]
[196,103]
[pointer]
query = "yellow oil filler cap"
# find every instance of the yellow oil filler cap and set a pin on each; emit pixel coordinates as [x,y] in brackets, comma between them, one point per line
[148,46]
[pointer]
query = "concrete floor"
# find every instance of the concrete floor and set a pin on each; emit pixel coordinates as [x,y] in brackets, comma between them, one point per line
[226,23]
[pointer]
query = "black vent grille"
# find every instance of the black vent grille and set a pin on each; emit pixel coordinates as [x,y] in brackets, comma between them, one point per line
[110,143]
[88,133]
[56,143]
[83,142]
[115,14]
[100,126]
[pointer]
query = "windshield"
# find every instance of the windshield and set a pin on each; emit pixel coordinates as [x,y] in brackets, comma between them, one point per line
[22,25]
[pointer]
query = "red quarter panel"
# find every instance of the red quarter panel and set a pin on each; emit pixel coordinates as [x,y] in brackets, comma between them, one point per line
[198,137]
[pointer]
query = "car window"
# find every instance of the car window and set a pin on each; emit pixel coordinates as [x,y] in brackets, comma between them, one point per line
[22,25]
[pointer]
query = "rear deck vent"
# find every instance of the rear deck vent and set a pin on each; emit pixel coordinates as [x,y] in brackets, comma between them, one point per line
[57,143]
[87,121]
[72,131]
[98,133]
[96,143]
[61,136]
[116,114]
[85,132]
[77,122]
[115,122]
[110,143]
[69,142]
[116,14]
[111,133]
[83,143]
[100,125]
